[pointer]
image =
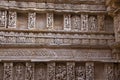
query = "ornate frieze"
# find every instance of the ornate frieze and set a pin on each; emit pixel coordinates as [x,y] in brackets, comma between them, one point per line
[12,19]
[50,20]
[67,22]
[101,22]
[70,70]
[89,71]
[3,19]
[51,71]
[109,71]
[84,22]
[31,20]
[29,72]
[8,71]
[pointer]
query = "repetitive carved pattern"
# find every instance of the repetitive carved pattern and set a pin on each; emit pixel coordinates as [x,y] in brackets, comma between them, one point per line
[80,73]
[12,19]
[40,71]
[29,74]
[84,22]
[49,20]
[8,71]
[3,18]
[76,23]
[70,71]
[61,72]
[89,71]
[92,23]
[109,68]
[67,22]
[51,70]
[19,71]
[101,23]
[31,20]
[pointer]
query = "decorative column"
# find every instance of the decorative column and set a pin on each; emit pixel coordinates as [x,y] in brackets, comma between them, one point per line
[31,20]
[3,19]
[67,22]
[70,70]
[89,71]
[109,71]
[29,72]
[8,71]
[12,19]
[51,71]
[84,22]
[101,22]
[50,20]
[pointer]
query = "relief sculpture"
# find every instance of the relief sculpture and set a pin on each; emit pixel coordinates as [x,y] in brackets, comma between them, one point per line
[50,20]
[84,22]
[101,24]
[67,22]
[76,23]
[3,18]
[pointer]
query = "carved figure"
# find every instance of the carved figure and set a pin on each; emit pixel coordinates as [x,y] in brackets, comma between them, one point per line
[50,20]
[3,18]
[67,22]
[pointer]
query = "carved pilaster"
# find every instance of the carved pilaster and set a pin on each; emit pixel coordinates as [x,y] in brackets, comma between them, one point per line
[109,71]
[51,71]
[12,19]
[70,71]
[67,22]
[92,23]
[89,71]
[29,72]
[50,20]
[31,20]
[84,22]
[101,22]
[3,19]
[8,71]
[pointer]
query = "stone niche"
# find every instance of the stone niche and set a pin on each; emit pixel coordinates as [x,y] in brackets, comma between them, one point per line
[99,71]
[41,20]
[58,22]
[22,20]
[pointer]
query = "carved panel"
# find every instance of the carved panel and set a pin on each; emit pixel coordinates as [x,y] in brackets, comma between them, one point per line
[101,22]
[51,71]
[109,70]
[76,23]
[40,72]
[3,18]
[61,71]
[89,71]
[70,71]
[50,20]
[92,23]
[12,19]
[31,20]
[67,22]
[84,22]
[19,70]
[8,71]
[80,72]
[29,72]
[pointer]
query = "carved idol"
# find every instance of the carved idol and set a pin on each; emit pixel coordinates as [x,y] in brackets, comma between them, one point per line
[3,18]
[67,22]
[101,24]
[84,22]
[80,73]
[75,23]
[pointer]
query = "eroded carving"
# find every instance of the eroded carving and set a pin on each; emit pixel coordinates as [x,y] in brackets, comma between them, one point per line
[101,22]
[67,22]
[12,19]
[3,18]
[84,22]
[49,20]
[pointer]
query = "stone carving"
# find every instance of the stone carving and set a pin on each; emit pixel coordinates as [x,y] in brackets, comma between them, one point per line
[109,69]
[67,22]
[101,24]
[70,71]
[49,20]
[92,23]
[84,22]
[19,72]
[51,71]
[80,73]
[118,72]
[3,18]
[29,74]
[61,72]
[89,71]
[12,19]
[31,20]
[21,38]
[8,71]
[76,23]
[1,71]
